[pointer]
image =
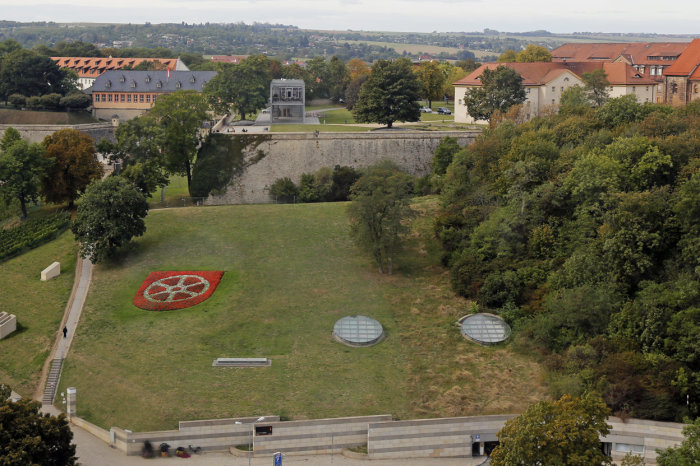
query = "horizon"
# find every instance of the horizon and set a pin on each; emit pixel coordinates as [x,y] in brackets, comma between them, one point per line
[445,16]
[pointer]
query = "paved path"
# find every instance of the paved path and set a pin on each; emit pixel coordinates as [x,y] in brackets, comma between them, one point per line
[75,308]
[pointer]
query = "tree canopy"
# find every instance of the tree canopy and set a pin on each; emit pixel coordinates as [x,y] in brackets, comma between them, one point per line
[390,94]
[566,431]
[243,87]
[110,214]
[180,116]
[22,166]
[379,205]
[596,86]
[28,73]
[432,79]
[500,89]
[687,453]
[73,165]
[29,437]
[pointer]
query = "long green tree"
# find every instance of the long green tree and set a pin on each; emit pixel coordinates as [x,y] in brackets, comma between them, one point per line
[379,205]
[22,166]
[180,116]
[110,214]
[500,89]
[432,79]
[566,431]
[390,94]
[242,88]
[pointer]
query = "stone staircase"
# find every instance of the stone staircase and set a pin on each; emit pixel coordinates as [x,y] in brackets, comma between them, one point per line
[52,381]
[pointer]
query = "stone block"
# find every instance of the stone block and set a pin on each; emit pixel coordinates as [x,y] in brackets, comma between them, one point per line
[8,324]
[52,271]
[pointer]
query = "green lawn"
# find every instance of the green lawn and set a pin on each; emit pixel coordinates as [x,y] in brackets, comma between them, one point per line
[319,128]
[174,193]
[291,272]
[39,308]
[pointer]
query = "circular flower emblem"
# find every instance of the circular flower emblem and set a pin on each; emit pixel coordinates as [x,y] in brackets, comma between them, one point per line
[165,291]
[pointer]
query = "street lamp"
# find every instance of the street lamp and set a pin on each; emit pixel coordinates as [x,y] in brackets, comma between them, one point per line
[250,435]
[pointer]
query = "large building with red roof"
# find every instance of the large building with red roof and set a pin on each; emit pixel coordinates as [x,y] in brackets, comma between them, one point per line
[682,78]
[89,68]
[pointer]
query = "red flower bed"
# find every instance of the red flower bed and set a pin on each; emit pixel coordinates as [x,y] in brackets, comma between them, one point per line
[165,291]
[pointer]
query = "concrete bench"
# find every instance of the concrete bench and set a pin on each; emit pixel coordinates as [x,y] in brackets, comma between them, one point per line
[8,324]
[242,362]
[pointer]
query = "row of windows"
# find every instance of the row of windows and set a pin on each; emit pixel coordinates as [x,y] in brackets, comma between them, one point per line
[128,98]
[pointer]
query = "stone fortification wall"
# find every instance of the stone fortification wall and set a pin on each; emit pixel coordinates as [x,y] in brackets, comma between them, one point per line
[274,156]
[37,133]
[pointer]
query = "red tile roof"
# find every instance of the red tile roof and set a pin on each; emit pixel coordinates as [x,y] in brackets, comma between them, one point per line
[537,74]
[638,53]
[534,74]
[688,63]
[91,67]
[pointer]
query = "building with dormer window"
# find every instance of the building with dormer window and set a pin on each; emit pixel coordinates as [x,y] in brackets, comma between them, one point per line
[129,94]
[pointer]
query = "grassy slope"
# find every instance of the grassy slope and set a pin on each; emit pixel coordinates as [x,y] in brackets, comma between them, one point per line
[39,308]
[27,117]
[291,272]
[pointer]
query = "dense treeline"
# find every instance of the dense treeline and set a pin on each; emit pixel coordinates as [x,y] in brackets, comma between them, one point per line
[582,230]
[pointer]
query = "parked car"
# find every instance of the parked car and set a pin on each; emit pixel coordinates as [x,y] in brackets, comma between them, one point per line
[444,111]
[426,110]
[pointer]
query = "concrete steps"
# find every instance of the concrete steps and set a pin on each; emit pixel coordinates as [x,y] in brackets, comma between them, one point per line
[52,381]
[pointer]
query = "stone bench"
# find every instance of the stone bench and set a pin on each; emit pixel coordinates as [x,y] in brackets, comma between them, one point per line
[242,362]
[8,324]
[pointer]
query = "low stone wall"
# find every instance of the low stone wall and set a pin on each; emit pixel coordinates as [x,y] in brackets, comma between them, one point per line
[318,436]
[448,437]
[279,155]
[37,133]
[210,435]
[421,438]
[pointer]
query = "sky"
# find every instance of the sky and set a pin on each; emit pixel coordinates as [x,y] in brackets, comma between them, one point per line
[648,16]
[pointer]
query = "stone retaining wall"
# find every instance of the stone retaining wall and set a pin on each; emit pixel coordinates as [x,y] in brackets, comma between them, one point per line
[278,155]
[37,133]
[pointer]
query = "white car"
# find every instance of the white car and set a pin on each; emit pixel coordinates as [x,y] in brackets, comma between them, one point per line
[426,110]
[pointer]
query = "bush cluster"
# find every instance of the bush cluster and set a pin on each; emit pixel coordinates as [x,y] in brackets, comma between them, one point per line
[54,101]
[326,185]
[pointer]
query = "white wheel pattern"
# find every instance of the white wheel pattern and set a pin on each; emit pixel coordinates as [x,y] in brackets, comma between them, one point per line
[176,288]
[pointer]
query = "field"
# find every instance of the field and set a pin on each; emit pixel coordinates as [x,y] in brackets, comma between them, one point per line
[414,49]
[39,308]
[291,272]
[27,117]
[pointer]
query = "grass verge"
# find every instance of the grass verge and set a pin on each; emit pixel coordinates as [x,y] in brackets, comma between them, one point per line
[39,309]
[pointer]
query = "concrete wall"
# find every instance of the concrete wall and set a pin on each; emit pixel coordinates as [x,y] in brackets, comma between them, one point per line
[650,435]
[448,437]
[316,436]
[291,154]
[37,133]
[214,434]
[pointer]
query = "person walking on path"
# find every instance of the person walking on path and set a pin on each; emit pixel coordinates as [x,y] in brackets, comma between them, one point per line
[65,332]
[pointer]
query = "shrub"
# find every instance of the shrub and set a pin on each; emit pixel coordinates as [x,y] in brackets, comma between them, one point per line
[50,101]
[76,100]
[33,102]
[284,190]
[17,100]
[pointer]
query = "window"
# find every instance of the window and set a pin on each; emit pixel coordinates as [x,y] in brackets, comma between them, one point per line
[553,101]
[634,88]
[178,85]
[109,96]
[141,98]
[133,84]
[148,79]
[627,447]
[674,88]
[647,89]
[652,71]
[148,98]
[566,79]
[108,84]
[695,88]
[121,98]
[562,88]
[192,79]
[527,90]
[159,84]
[122,79]
[97,97]
[554,88]
[128,98]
